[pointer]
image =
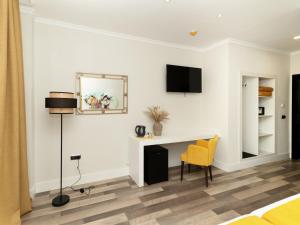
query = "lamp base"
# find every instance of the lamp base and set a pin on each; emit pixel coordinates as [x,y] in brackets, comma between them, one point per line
[60,200]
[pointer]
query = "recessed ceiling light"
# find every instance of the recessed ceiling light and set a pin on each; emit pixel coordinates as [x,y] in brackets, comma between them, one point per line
[167,1]
[193,33]
[219,15]
[297,37]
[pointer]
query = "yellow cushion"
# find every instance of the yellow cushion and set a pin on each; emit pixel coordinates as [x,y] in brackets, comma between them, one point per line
[286,214]
[183,156]
[250,220]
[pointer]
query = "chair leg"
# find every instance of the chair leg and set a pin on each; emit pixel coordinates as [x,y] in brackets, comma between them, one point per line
[189,168]
[182,167]
[206,175]
[210,173]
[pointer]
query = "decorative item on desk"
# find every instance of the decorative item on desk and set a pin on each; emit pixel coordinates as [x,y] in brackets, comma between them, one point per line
[157,115]
[261,111]
[148,135]
[140,131]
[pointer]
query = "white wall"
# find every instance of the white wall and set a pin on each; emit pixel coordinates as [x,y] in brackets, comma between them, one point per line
[102,140]
[256,61]
[295,63]
[27,38]
[216,61]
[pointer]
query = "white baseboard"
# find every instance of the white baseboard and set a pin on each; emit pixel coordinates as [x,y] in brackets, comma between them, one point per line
[86,178]
[32,191]
[110,174]
[250,162]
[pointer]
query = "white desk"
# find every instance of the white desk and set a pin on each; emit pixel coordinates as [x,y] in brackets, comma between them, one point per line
[136,151]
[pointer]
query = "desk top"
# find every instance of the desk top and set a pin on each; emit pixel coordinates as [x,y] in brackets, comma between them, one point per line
[167,139]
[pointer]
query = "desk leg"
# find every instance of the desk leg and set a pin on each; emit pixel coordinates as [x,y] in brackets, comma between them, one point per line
[136,162]
[140,182]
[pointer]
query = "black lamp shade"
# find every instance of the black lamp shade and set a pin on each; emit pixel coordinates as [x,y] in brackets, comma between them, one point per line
[61,102]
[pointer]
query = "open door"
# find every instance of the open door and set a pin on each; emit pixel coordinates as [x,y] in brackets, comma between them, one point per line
[250,116]
[296,116]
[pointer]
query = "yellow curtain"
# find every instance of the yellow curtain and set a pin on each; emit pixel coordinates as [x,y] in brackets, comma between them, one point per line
[14,191]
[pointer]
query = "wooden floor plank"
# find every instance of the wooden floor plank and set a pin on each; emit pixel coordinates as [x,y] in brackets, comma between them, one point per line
[120,201]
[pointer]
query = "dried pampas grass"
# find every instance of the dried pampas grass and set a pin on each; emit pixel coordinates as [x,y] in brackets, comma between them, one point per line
[156,114]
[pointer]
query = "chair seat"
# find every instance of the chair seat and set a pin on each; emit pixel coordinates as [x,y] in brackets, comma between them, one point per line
[183,156]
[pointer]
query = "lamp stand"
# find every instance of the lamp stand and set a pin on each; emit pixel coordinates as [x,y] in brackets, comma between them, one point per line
[61,199]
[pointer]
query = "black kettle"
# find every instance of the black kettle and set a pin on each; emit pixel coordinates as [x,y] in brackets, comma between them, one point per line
[140,130]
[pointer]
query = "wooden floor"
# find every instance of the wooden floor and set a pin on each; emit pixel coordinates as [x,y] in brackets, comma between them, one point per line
[119,201]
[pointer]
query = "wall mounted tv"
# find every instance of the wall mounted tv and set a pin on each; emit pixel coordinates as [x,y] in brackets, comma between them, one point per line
[184,79]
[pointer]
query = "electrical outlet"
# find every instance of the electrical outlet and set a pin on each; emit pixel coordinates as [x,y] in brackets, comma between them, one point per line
[75,157]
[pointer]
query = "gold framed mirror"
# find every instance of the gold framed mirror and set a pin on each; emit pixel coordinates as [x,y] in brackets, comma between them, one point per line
[101,93]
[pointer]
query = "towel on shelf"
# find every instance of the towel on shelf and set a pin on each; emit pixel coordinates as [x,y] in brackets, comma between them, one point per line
[265,93]
[265,89]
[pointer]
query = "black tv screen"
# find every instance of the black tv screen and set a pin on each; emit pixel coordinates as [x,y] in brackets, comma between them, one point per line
[184,79]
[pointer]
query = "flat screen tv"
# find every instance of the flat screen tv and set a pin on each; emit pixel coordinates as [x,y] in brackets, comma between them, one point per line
[184,79]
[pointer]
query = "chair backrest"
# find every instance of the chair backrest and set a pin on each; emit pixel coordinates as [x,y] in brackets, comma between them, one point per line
[212,145]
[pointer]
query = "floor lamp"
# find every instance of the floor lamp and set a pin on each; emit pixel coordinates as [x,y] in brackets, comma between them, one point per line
[61,103]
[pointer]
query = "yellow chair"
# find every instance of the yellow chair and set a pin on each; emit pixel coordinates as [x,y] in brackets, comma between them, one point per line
[201,154]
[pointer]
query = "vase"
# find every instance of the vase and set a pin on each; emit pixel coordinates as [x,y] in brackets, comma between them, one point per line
[157,129]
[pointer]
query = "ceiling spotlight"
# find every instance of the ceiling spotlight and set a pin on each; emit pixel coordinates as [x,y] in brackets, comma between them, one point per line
[167,1]
[297,37]
[219,15]
[193,33]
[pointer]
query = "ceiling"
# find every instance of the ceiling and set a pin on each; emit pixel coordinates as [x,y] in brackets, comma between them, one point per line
[270,23]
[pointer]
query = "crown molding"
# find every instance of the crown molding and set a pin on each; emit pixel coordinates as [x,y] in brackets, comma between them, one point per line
[114,34]
[26,9]
[256,46]
[295,53]
[26,2]
[67,25]
[216,45]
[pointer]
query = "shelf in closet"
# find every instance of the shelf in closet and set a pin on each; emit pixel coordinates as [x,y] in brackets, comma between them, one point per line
[265,96]
[264,134]
[265,116]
